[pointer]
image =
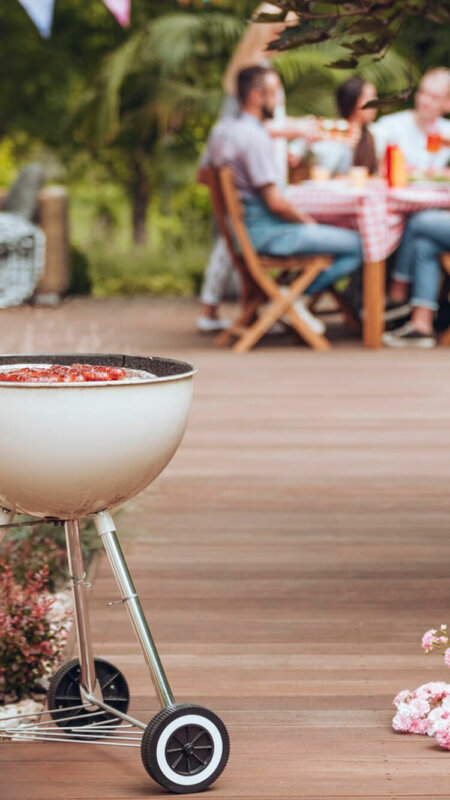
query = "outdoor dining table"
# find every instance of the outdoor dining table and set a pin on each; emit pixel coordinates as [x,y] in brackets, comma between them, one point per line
[379,214]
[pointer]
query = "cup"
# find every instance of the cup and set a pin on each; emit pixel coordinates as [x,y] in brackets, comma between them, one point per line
[358,176]
[319,173]
[434,142]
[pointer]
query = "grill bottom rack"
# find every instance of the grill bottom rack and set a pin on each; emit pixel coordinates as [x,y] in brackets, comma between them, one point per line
[184,748]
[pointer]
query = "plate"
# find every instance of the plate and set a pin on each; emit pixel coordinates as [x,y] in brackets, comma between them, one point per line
[443,185]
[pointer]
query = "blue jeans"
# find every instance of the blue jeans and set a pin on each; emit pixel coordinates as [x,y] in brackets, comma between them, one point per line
[427,234]
[272,236]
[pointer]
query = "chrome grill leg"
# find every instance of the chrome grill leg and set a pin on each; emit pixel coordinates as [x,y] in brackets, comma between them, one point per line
[79,589]
[106,529]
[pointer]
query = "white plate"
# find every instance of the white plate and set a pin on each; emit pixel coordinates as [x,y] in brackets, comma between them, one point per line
[338,186]
[441,185]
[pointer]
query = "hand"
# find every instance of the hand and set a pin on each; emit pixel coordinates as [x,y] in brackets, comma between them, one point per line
[294,128]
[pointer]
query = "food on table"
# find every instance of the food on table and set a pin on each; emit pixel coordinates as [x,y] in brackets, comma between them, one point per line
[336,129]
[438,176]
[75,373]
[314,129]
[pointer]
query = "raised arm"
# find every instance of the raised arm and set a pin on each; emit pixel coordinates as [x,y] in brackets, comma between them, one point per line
[252,48]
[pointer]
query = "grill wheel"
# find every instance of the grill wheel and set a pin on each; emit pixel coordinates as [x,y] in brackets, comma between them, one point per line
[64,691]
[185,748]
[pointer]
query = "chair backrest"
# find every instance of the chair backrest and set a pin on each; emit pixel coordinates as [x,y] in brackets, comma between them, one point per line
[234,213]
[220,214]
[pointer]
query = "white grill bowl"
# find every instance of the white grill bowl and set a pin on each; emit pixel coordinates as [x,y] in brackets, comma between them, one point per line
[69,450]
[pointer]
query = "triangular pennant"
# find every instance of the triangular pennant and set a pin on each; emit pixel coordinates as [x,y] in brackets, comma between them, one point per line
[120,9]
[41,12]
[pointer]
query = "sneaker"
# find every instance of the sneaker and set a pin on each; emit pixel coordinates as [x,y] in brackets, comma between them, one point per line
[395,310]
[408,336]
[208,325]
[301,307]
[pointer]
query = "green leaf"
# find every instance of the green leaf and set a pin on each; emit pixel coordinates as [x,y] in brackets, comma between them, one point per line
[271,17]
[343,63]
[392,100]
[298,35]
[364,47]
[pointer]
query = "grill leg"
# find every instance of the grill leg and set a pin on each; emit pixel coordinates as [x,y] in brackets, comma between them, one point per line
[106,529]
[79,589]
[6,516]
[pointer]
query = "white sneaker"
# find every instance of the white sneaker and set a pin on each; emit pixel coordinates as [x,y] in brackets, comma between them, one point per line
[301,307]
[208,325]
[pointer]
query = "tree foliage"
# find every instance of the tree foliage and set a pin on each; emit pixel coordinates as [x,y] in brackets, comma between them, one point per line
[134,106]
[363,27]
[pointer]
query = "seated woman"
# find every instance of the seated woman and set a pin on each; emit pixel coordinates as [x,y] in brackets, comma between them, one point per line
[417,275]
[339,157]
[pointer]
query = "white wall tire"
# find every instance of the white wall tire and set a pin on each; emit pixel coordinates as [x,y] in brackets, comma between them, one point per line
[185,748]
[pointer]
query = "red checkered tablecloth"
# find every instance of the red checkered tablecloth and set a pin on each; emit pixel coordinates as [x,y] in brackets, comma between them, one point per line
[377,212]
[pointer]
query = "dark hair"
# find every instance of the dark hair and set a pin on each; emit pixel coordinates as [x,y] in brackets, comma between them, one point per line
[347,96]
[248,78]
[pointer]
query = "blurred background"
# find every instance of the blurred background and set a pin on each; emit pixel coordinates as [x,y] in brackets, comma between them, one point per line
[119,117]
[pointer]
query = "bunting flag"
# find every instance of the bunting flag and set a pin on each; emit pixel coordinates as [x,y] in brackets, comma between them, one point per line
[120,9]
[41,12]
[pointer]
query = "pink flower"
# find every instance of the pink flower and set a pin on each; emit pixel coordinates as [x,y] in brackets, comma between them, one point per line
[411,716]
[419,726]
[425,710]
[400,697]
[401,722]
[433,691]
[428,640]
[447,657]
[443,738]
[439,718]
[418,707]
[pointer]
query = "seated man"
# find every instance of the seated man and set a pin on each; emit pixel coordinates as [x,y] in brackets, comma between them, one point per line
[418,272]
[409,129]
[275,226]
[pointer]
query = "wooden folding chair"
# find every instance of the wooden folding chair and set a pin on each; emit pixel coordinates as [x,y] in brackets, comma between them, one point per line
[255,269]
[445,261]
[252,295]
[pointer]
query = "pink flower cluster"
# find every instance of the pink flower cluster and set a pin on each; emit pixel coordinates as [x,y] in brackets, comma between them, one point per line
[426,710]
[435,639]
[414,708]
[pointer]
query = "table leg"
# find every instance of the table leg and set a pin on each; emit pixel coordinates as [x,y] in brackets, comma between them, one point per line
[373,300]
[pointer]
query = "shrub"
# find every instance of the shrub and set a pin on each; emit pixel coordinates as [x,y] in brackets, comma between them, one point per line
[28,549]
[30,643]
[29,552]
[105,262]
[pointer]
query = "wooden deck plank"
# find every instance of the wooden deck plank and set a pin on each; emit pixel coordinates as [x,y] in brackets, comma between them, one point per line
[289,560]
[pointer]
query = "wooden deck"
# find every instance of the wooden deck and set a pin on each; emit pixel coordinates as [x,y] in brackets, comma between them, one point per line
[289,560]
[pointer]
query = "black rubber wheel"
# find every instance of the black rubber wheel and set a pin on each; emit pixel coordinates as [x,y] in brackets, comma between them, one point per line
[185,748]
[64,691]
